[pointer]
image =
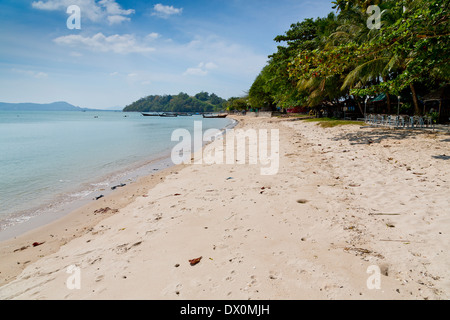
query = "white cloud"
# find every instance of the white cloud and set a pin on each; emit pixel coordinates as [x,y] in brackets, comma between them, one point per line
[153,36]
[40,75]
[112,7]
[195,72]
[165,11]
[117,19]
[94,11]
[210,66]
[201,70]
[121,44]
[30,73]
[231,57]
[75,54]
[49,5]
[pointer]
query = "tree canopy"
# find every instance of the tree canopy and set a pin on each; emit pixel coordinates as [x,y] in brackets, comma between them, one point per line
[343,56]
[201,102]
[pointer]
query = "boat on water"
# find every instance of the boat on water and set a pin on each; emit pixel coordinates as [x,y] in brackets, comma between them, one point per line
[165,115]
[150,114]
[211,116]
[168,115]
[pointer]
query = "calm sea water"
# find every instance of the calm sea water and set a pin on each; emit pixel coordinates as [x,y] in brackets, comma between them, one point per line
[52,157]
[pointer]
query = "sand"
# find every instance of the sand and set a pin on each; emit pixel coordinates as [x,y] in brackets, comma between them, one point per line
[345,203]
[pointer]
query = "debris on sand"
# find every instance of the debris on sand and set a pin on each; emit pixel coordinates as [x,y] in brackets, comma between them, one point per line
[194,262]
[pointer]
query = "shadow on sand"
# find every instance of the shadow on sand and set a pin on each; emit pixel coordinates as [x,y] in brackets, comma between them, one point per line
[381,134]
[378,135]
[442,157]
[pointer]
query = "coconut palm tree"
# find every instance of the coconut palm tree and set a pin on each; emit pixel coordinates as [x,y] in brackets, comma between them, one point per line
[375,66]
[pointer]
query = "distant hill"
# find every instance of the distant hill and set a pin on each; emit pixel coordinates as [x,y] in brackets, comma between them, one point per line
[55,106]
[201,102]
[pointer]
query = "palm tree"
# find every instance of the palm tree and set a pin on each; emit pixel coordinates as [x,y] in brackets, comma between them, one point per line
[376,65]
[398,52]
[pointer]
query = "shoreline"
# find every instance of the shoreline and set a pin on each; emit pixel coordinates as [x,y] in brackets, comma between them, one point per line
[56,232]
[338,206]
[70,196]
[64,224]
[65,203]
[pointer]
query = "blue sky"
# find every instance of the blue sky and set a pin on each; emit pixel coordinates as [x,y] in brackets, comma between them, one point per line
[126,50]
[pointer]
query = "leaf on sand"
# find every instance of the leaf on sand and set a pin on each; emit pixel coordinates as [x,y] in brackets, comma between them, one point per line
[390,225]
[106,210]
[36,244]
[21,249]
[354,185]
[194,262]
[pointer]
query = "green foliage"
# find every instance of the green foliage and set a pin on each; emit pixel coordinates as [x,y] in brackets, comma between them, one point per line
[434,116]
[274,86]
[332,122]
[238,104]
[338,57]
[260,96]
[201,102]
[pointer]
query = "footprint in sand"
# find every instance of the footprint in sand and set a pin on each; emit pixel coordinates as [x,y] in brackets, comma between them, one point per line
[173,290]
[230,278]
[273,275]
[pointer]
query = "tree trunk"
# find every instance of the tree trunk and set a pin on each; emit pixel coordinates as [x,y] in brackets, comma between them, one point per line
[415,100]
[388,100]
[359,105]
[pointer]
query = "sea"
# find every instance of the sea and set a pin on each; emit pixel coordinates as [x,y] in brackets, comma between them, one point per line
[50,160]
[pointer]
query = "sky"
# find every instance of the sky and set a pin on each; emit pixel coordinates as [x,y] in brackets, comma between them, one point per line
[111,53]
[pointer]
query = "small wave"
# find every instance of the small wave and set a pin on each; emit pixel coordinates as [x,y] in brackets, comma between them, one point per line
[9,222]
[100,184]
[81,194]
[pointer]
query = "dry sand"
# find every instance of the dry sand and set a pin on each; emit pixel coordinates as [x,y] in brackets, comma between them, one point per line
[344,199]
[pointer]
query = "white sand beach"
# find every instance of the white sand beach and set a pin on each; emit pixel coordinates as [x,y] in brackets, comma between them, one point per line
[344,200]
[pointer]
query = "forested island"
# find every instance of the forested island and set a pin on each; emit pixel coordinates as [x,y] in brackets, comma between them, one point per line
[201,102]
[55,106]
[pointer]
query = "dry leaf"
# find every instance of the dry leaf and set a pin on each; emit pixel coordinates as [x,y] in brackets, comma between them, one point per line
[194,262]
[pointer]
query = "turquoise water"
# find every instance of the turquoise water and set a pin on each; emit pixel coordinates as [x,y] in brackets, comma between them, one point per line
[52,157]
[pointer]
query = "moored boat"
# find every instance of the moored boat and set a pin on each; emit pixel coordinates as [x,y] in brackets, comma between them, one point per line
[168,115]
[210,116]
[150,114]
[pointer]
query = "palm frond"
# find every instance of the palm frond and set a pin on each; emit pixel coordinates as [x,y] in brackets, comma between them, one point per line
[365,72]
